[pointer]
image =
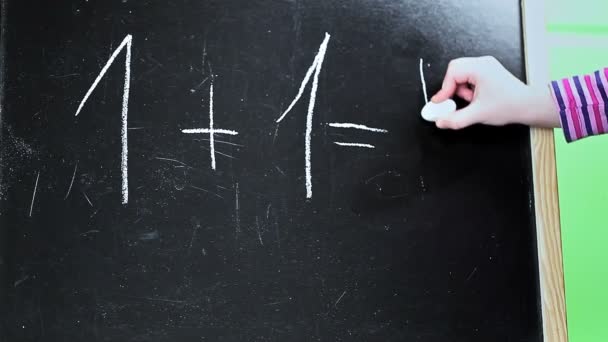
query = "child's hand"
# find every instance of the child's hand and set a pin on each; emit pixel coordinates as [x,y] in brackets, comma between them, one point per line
[496,96]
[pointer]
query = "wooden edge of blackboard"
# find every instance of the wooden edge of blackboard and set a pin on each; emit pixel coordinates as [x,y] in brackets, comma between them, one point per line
[544,173]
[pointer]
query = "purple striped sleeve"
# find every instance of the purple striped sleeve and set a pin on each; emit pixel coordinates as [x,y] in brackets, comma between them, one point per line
[583,104]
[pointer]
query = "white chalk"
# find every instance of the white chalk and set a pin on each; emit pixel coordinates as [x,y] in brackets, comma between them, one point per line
[426,96]
[127,42]
[354,145]
[311,106]
[237,207]
[356,126]
[207,130]
[124,129]
[435,111]
[316,68]
[211,135]
[211,131]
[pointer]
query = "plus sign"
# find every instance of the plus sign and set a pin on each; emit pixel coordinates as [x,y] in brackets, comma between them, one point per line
[211,131]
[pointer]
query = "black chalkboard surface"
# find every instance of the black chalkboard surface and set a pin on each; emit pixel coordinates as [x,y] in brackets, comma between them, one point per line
[174,206]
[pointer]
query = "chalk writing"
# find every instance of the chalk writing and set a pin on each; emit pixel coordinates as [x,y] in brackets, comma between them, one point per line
[354,144]
[211,131]
[426,96]
[356,126]
[311,77]
[359,127]
[126,43]
[316,68]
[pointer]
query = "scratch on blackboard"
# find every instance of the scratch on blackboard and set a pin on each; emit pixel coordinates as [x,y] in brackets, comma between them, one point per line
[112,40]
[280,171]
[276,303]
[221,187]
[207,191]
[218,152]
[156,299]
[20,281]
[197,226]
[276,227]
[87,198]
[276,133]
[204,53]
[173,160]
[339,299]
[224,154]
[257,227]
[158,64]
[64,76]
[376,176]
[197,87]
[472,273]
[211,72]
[268,211]
[71,182]
[237,209]
[276,224]
[204,130]
[94,213]
[222,142]
[153,235]
[34,194]
[92,231]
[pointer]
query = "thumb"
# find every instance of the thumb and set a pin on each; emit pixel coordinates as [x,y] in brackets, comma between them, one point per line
[461,118]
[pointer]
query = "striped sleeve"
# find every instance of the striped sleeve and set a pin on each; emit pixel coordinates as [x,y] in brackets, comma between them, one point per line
[583,104]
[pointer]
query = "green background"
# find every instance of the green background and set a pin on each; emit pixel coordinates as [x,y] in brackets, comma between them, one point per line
[578,33]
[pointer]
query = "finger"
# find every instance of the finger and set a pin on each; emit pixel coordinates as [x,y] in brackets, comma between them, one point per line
[460,71]
[461,118]
[465,92]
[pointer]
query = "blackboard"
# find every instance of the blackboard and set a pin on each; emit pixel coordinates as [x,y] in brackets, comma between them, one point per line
[132,222]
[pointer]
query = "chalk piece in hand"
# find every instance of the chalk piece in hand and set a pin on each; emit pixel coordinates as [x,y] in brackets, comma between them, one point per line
[434,111]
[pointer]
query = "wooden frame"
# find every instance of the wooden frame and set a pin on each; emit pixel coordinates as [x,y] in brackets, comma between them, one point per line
[551,271]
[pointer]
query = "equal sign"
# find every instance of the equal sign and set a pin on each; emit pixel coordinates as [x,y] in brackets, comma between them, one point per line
[359,127]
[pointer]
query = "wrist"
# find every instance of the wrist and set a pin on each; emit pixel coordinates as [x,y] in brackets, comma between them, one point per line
[539,109]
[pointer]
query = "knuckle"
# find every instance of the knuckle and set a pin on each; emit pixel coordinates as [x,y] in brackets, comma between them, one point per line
[453,64]
[490,60]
